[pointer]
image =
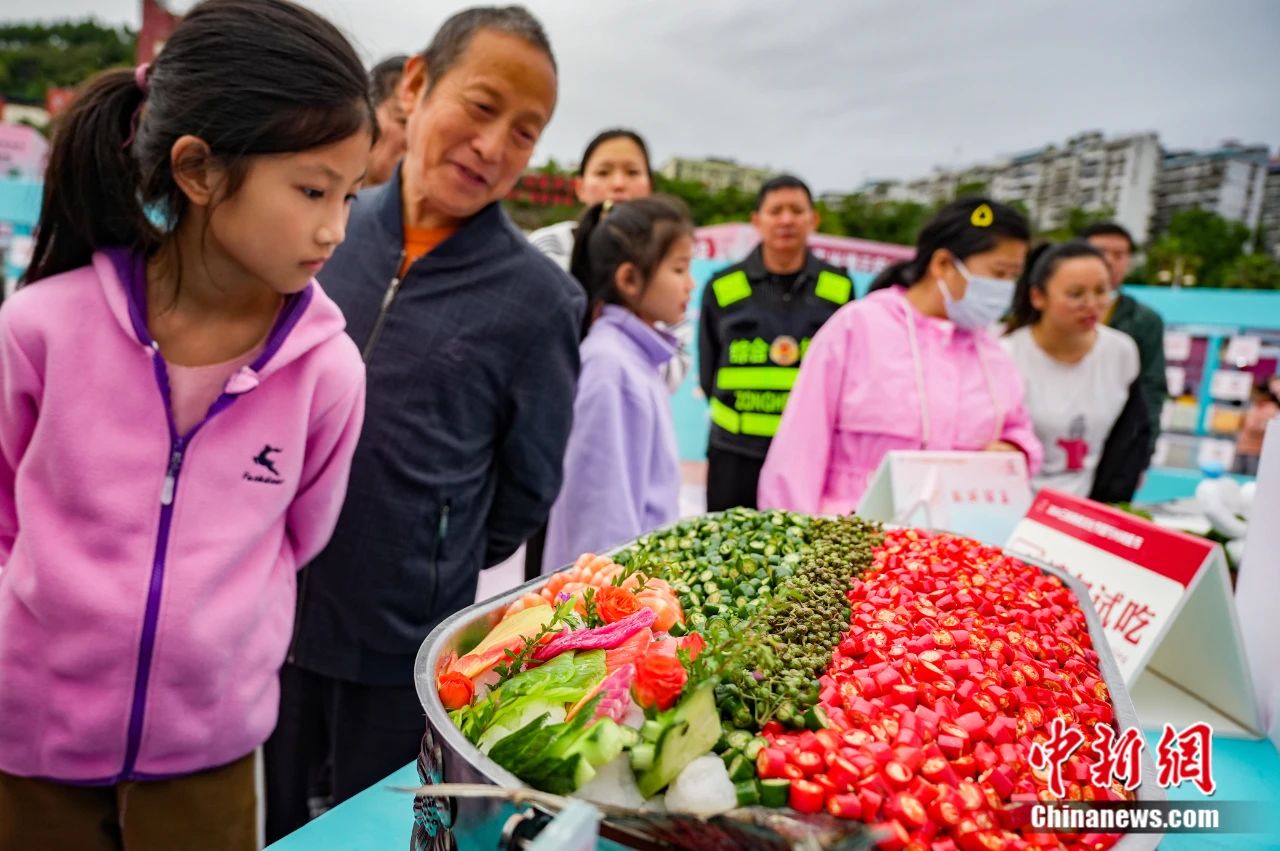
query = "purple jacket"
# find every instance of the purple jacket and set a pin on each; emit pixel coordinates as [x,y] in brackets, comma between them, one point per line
[147,578]
[622,468]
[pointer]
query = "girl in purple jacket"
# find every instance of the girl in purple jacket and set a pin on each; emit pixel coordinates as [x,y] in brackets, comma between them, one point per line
[621,467]
[178,408]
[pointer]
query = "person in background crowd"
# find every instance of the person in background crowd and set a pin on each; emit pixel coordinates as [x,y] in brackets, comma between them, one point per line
[757,320]
[1081,377]
[911,366]
[147,574]
[615,167]
[470,342]
[1134,318]
[384,80]
[621,468]
[1263,407]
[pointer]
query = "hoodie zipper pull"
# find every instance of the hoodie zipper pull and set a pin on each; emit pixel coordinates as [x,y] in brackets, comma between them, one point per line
[171,478]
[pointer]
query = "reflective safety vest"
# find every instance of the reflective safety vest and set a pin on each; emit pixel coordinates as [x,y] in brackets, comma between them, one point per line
[754,332]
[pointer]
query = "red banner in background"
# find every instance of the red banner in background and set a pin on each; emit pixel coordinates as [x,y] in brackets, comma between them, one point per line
[57,99]
[733,241]
[158,24]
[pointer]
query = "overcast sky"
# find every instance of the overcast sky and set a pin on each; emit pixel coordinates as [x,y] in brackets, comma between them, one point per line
[840,92]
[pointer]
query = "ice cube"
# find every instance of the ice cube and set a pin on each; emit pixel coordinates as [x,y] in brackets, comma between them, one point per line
[703,788]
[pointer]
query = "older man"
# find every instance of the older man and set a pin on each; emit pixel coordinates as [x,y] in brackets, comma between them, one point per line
[470,338]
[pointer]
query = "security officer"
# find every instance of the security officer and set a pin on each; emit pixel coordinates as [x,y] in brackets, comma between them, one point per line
[756,323]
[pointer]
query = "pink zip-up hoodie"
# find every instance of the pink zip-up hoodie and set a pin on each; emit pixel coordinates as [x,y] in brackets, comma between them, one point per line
[880,375]
[147,579]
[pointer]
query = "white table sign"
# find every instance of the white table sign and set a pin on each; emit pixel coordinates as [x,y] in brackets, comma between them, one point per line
[1163,598]
[980,494]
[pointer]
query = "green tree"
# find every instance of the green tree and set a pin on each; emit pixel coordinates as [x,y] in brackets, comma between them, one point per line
[1021,207]
[707,207]
[884,221]
[35,56]
[829,220]
[1253,272]
[971,189]
[1076,220]
[1171,260]
[554,168]
[1199,240]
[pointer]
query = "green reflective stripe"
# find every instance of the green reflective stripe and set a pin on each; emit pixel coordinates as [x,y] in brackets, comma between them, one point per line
[756,377]
[724,416]
[761,425]
[834,287]
[731,288]
[755,425]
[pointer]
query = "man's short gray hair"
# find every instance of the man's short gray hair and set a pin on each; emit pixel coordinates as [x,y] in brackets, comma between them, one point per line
[454,36]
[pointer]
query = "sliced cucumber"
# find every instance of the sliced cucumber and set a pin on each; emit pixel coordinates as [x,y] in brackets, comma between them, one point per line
[748,792]
[642,757]
[775,793]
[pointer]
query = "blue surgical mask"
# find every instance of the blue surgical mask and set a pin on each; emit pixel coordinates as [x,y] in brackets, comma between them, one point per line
[985,300]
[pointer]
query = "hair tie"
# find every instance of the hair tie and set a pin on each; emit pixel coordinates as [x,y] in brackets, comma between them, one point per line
[144,86]
[982,216]
[140,77]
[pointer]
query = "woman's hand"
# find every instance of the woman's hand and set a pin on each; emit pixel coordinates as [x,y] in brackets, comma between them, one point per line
[1001,446]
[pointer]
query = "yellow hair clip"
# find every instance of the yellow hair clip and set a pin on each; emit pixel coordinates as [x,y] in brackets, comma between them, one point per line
[982,216]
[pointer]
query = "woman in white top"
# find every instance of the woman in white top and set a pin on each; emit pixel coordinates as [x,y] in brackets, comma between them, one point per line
[1080,375]
[614,167]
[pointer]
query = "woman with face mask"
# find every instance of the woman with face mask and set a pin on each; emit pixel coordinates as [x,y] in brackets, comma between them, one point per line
[911,366]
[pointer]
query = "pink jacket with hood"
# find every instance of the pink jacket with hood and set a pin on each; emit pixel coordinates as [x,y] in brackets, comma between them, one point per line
[880,376]
[147,579]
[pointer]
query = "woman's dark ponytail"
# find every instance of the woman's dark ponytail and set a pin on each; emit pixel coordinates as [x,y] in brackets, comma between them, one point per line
[1022,313]
[91,184]
[900,274]
[580,259]
[247,77]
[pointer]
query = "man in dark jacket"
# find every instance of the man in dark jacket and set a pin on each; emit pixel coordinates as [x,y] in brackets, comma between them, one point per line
[1137,320]
[756,322]
[470,339]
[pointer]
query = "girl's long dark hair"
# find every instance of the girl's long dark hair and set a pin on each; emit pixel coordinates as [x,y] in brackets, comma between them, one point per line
[640,232]
[248,77]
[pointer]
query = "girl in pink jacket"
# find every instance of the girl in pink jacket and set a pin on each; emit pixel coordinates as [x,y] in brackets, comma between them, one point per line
[179,404]
[911,366]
